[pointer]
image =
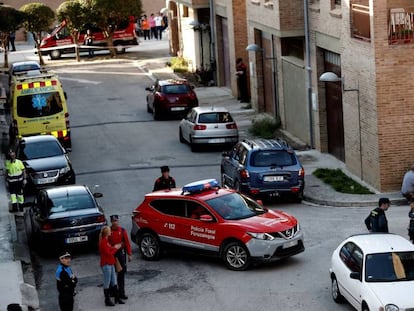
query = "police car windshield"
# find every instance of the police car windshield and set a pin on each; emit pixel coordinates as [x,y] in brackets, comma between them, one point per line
[235,206]
[39,105]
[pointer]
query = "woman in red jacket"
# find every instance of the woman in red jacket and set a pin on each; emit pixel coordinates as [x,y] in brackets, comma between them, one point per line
[107,252]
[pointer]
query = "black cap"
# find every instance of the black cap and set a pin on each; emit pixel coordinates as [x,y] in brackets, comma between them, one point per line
[114,217]
[383,201]
[65,255]
[164,168]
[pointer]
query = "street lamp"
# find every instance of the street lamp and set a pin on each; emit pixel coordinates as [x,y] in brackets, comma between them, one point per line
[255,48]
[333,77]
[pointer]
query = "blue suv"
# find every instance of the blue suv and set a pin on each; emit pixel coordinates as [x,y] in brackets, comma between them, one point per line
[263,168]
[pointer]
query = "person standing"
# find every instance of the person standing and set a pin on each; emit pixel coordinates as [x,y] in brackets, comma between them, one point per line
[377,220]
[89,42]
[145,26]
[158,25]
[120,236]
[411,223]
[407,187]
[153,28]
[107,263]
[66,283]
[12,38]
[241,72]
[16,180]
[165,181]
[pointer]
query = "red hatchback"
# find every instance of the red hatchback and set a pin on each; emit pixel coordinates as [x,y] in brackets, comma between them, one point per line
[206,218]
[171,98]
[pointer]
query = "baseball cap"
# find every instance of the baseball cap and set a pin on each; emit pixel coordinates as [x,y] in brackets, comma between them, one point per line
[65,255]
[383,201]
[114,217]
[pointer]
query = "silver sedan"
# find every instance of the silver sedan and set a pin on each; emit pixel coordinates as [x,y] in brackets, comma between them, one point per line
[208,125]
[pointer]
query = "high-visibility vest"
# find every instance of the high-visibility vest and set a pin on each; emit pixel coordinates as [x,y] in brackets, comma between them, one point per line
[14,170]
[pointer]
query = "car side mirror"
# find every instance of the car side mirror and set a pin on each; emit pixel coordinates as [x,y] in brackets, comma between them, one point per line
[97,195]
[355,275]
[206,218]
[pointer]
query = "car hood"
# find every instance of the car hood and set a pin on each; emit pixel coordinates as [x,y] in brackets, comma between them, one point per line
[398,293]
[272,221]
[44,164]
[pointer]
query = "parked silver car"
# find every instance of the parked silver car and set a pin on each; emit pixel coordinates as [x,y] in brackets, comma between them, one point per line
[208,125]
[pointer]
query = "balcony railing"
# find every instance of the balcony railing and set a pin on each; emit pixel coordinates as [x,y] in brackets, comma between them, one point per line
[400,27]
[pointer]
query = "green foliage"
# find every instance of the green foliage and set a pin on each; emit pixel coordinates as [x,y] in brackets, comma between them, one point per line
[264,127]
[10,19]
[179,64]
[340,181]
[39,17]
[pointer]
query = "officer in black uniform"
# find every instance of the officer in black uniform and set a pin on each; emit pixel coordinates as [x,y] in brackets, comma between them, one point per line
[165,181]
[376,220]
[66,282]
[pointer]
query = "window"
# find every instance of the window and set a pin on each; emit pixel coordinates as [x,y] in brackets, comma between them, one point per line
[215,117]
[185,11]
[180,208]
[352,257]
[39,105]
[360,20]
[272,158]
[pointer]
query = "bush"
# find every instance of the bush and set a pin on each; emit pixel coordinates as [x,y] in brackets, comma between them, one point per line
[178,64]
[340,181]
[265,127]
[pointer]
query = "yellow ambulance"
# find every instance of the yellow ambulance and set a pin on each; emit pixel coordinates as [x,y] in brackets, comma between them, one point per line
[38,106]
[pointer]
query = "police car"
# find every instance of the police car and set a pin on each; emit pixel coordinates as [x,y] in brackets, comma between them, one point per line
[206,218]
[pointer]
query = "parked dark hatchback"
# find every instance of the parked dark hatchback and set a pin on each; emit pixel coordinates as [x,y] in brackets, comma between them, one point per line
[66,216]
[46,162]
[263,168]
[171,98]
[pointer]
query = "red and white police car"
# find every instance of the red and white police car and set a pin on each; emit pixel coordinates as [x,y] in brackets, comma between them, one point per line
[204,217]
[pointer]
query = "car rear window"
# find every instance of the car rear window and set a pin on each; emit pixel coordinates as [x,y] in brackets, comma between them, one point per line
[215,117]
[175,89]
[70,203]
[40,150]
[272,158]
[39,105]
[23,68]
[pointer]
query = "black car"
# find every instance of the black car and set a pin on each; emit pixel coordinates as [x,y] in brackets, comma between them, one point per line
[46,162]
[66,216]
[263,168]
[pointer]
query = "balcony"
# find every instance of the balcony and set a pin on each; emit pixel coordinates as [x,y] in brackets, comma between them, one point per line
[400,26]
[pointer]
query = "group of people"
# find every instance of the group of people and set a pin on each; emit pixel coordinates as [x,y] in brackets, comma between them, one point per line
[115,251]
[152,27]
[10,45]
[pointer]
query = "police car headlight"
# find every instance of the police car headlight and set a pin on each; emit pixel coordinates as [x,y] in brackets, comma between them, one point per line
[261,236]
[391,308]
[64,170]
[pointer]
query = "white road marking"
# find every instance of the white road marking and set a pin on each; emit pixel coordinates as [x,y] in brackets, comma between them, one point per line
[80,80]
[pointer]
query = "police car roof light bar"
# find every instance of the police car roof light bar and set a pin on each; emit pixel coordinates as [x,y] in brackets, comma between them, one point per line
[201,185]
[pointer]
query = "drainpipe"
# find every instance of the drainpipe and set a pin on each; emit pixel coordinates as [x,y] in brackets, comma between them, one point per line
[213,41]
[309,72]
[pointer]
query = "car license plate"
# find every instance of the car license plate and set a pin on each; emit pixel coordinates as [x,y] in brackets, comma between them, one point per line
[45,181]
[177,108]
[290,244]
[217,141]
[273,178]
[77,239]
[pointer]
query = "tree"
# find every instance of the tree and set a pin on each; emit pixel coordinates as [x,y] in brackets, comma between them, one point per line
[107,14]
[10,20]
[39,17]
[73,13]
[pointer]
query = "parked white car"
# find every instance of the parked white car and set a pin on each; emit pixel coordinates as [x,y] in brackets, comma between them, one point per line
[374,271]
[208,125]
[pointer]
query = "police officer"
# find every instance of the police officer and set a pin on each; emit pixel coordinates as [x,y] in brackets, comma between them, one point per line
[66,283]
[120,236]
[165,181]
[376,220]
[16,179]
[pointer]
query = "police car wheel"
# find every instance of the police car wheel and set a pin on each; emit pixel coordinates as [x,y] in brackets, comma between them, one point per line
[236,256]
[149,246]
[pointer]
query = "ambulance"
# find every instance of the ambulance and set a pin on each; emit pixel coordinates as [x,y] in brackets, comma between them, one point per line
[38,106]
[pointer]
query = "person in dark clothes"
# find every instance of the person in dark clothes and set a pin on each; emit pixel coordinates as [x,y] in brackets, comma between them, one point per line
[376,220]
[66,283]
[165,181]
[241,72]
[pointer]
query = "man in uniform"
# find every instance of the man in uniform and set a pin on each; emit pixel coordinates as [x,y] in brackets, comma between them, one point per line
[16,179]
[66,282]
[165,181]
[376,220]
[120,236]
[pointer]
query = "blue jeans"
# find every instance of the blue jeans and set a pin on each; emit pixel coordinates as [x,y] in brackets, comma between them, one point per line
[109,276]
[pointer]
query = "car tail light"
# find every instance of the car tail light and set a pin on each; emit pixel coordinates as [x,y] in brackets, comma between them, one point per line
[192,95]
[100,218]
[295,189]
[244,174]
[200,127]
[231,126]
[46,226]
[255,192]
[301,172]
[160,97]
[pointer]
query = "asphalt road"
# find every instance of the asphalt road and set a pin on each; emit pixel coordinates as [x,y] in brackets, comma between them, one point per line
[118,149]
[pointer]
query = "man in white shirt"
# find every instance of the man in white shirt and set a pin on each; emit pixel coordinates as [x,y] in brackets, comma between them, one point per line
[158,25]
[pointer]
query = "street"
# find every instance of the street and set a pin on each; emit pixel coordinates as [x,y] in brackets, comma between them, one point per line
[118,150]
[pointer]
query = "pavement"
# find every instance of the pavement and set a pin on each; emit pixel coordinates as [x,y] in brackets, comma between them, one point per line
[14,256]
